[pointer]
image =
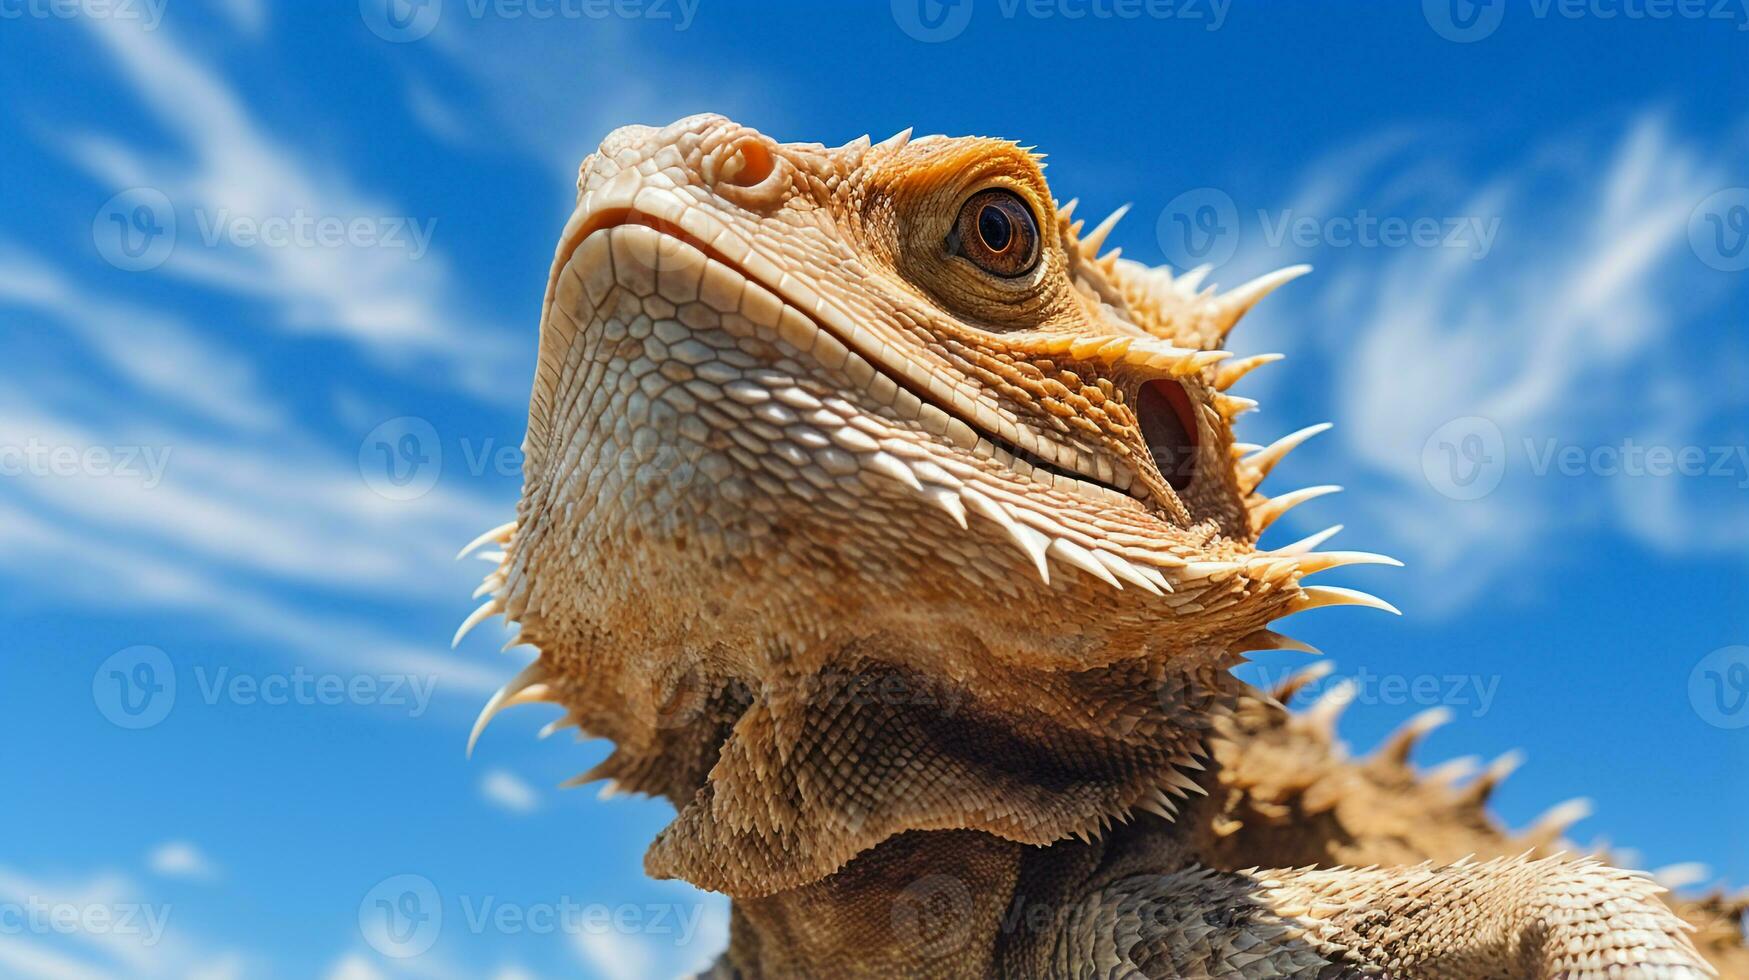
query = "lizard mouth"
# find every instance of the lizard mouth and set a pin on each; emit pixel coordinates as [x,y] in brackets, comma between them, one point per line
[965,421]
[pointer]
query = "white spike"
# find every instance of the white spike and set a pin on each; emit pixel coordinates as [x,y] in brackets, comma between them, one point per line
[526,687]
[897,141]
[1230,373]
[1453,770]
[1035,544]
[1327,710]
[948,500]
[500,533]
[1091,242]
[1306,544]
[1674,876]
[491,608]
[1121,567]
[1265,459]
[1319,596]
[1079,557]
[1266,513]
[1235,304]
[558,725]
[1320,561]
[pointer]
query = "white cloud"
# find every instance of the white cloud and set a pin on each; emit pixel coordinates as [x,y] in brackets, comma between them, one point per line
[354,967]
[613,955]
[181,859]
[402,309]
[1570,329]
[116,931]
[505,789]
[157,354]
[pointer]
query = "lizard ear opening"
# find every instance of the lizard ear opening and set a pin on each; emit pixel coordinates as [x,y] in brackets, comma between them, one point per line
[1168,423]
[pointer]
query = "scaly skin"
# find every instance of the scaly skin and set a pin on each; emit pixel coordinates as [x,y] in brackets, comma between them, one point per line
[912,574]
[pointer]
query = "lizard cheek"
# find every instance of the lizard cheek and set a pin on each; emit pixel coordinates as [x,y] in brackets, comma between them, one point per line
[1168,425]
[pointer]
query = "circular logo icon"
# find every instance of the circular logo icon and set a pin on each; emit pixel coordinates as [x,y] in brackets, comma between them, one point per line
[1199,227]
[1465,458]
[400,21]
[1718,687]
[402,916]
[1718,230]
[136,687]
[402,458]
[932,21]
[933,915]
[135,231]
[1463,21]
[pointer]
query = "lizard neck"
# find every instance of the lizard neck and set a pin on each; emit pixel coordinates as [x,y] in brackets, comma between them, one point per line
[924,903]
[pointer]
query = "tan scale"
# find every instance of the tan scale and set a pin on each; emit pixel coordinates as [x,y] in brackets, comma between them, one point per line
[901,540]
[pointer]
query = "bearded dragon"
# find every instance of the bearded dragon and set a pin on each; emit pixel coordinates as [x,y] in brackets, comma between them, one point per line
[902,541]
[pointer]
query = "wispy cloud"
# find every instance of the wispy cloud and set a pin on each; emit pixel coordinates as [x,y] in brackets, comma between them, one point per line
[181,859]
[506,790]
[1590,287]
[101,926]
[399,304]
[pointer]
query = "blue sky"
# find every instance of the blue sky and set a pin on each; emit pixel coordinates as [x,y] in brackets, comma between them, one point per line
[252,254]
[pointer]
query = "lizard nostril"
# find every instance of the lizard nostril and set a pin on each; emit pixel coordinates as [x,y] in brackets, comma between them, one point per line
[1168,423]
[747,164]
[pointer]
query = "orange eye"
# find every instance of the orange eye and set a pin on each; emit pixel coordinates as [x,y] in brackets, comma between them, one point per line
[996,232]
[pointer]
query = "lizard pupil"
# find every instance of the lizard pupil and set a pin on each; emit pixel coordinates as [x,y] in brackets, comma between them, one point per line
[994,228]
[996,232]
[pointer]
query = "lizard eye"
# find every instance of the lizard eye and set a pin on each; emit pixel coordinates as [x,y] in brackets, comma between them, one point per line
[996,232]
[1168,424]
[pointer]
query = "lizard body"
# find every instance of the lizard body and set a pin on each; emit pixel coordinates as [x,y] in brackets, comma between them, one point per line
[902,541]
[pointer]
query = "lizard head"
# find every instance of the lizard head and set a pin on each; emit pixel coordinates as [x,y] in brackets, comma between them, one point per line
[863,495]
